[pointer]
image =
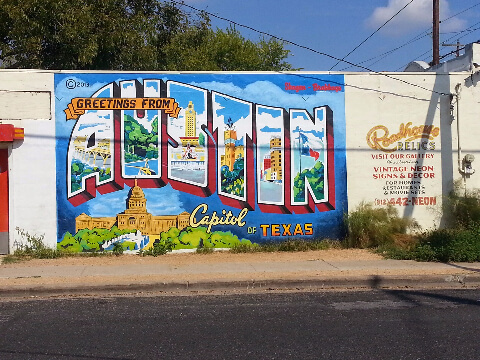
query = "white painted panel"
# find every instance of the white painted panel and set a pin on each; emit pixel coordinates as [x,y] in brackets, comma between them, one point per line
[18,105]
[32,181]
[26,80]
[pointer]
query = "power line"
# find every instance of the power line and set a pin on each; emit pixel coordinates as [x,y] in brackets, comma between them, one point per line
[452,52]
[307,48]
[368,37]
[458,32]
[442,21]
[385,54]
[450,38]
[461,12]
[415,38]
[458,38]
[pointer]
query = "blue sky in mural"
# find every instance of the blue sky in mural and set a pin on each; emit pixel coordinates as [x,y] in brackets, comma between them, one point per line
[152,84]
[232,109]
[183,95]
[337,27]
[163,201]
[313,132]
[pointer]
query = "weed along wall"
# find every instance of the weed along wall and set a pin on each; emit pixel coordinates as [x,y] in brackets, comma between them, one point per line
[218,159]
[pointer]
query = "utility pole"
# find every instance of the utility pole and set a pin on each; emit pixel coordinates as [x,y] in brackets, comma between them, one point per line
[457,52]
[436,32]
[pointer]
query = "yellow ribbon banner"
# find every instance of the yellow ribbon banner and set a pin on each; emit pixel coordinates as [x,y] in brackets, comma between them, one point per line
[78,106]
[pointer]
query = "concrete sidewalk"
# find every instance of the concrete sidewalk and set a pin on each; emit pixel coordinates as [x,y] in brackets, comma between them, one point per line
[193,273]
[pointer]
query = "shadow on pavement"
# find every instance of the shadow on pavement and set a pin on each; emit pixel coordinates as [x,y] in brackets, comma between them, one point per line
[59,355]
[462,267]
[414,295]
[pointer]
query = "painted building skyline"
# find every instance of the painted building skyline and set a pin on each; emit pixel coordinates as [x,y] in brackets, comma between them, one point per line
[272,161]
[234,147]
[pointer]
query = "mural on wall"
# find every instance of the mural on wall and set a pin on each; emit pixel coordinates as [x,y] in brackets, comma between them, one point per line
[198,160]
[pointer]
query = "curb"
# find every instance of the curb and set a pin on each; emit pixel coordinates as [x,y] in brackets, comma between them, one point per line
[359,283]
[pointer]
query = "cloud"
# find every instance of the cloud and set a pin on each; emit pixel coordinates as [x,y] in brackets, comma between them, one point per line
[417,15]
[269,129]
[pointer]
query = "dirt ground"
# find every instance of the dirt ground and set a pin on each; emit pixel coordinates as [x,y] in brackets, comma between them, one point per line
[73,271]
[216,257]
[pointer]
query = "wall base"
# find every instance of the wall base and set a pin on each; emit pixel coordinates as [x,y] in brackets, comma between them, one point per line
[3,243]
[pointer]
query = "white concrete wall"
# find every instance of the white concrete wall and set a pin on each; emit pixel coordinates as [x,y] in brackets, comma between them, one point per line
[26,102]
[468,126]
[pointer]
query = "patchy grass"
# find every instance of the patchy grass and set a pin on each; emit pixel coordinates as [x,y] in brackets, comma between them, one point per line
[10,259]
[288,245]
[32,247]
[205,250]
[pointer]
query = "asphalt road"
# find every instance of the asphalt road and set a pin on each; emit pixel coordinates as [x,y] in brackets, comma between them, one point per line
[380,324]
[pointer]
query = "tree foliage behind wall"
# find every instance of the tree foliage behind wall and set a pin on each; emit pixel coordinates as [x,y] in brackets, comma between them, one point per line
[125,35]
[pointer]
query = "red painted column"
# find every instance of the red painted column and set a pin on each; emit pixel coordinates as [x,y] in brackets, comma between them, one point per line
[3,201]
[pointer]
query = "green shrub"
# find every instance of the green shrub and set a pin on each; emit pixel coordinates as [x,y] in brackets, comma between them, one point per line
[460,241]
[158,248]
[446,245]
[117,249]
[462,210]
[370,227]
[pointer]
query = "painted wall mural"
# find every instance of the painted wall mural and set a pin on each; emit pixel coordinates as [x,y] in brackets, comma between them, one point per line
[198,160]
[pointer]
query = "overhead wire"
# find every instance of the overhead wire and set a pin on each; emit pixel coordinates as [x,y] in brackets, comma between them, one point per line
[368,37]
[442,21]
[458,32]
[461,12]
[307,48]
[385,54]
[453,37]
[414,39]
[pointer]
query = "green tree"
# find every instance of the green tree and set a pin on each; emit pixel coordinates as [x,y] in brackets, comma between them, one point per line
[125,35]
[201,139]
[223,50]
[315,177]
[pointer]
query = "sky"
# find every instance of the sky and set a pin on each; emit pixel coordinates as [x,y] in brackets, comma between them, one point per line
[337,27]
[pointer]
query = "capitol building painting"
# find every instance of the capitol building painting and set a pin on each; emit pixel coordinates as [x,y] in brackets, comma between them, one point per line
[135,217]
